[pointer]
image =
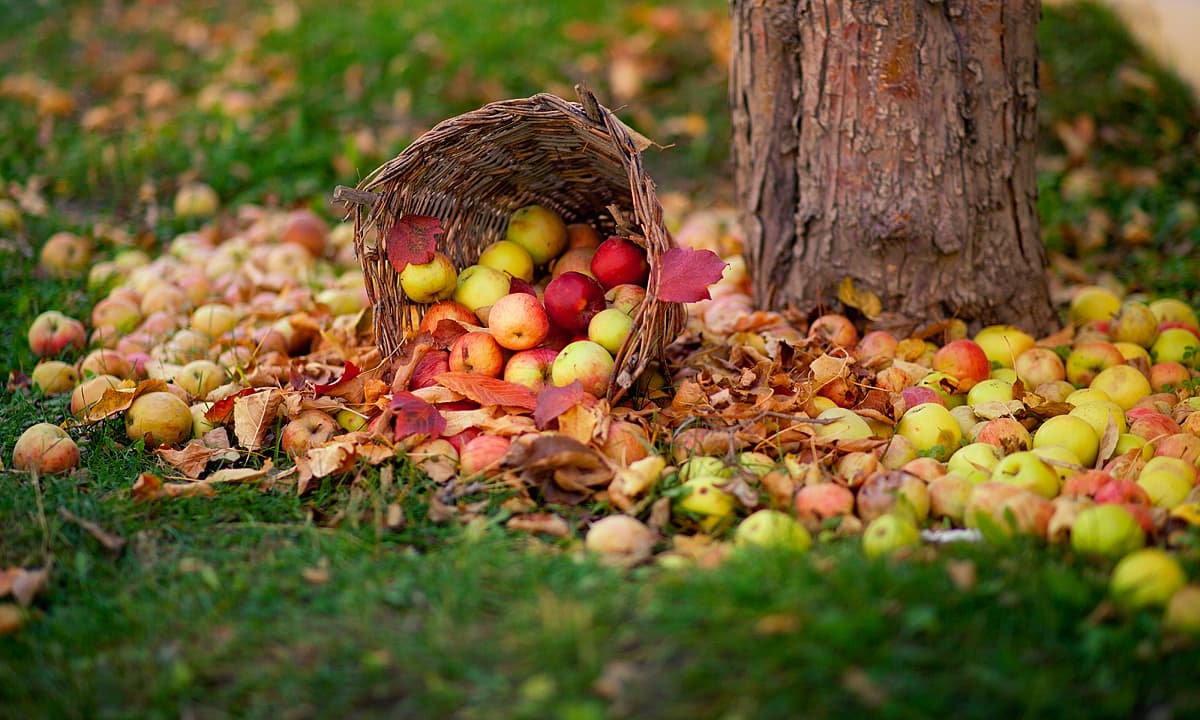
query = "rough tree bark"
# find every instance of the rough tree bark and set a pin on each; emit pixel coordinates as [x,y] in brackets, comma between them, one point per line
[891,141]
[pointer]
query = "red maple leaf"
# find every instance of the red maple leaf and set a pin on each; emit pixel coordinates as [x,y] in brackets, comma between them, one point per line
[414,416]
[222,410]
[413,239]
[348,374]
[685,274]
[488,390]
[554,401]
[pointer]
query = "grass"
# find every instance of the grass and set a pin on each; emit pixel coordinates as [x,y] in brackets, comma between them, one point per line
[265,604]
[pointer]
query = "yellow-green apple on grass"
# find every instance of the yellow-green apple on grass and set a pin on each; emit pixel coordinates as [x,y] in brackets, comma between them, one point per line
[432,281]
[158,418]
[1070,432]
[539,230]
[707,499]
[200,377]
[53,332]
[974,461]
[45,449]
[572,300]
[66,255]
[620,261]
[1092,303]
[518,321]
[1108,530]
[772,529]
[102,361]
[89,392]
[965,361]
[585,361]
[1146,577]
[1134,323]
[1027,470]
[214,319]
[482,454]
[1125,384]
[1039,365]
[1167,480]
[888,533]
[54,377]
[610,328]
[531,368]
[1088,359]
[479,287]
[311,428]
[508,257]
[447,310]
[195,200]
[1176,345]
[477,352]
[1003,343]
[931,429]
[117,311]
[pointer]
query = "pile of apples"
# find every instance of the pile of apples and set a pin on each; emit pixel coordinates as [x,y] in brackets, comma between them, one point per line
[550,304]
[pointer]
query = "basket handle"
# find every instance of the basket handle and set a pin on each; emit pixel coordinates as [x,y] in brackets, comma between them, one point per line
[591,105]
[354,196]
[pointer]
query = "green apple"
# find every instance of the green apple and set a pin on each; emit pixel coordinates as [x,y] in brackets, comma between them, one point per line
[1099,413]
[1125,384]
[845,425]
[508,257]
[1093,303]
[707,499]
[1167,480]
[1109,530]
[991,390]
[1129,441]
[703,466]
[931,429]
[1071,432]
[1183,611]
[1003,343]
[1146,577]
[774,529]
[888,533]
[943,383]
[1175,345]
[609,328]
[974,462]
[539,230]
[431,281]
[480,287]
[1027,470]
[1007,374]
[757,463]
[1086,395]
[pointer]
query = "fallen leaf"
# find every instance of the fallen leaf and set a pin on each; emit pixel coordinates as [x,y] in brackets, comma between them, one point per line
[865,301]
[684,274]
[553,401]
[239,475]
[191,459]
[347,377]
[488,390]
[330,459]
[414,416]
[318,575]
[222,410]
[579,423]
[28,583]
[110,541]
[540,523]
[117,400]
[253,416]
[412,239]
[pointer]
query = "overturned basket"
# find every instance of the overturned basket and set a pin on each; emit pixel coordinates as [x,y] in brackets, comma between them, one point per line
[472,171]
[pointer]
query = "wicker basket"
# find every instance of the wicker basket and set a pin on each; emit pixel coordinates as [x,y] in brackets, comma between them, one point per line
[472,171]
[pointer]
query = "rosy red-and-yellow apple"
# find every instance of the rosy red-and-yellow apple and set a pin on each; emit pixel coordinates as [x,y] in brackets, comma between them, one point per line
[620,261]
[835,330]
[482,454]
[1167,376]
[539,230]
[119,312]
[305,229]
[1008,508]
[477,352]
[1122,492]
[1039,365]
[816,503]
[446,310]
[1003,343]
[572,300]
[437,280]
[965,361]
[1174,310]
[920,394]
[65,255]
[609,328]
[52,333]
[1151,425]
[158,418]
[1005,433]
[876,348]
[518,321]
[54,377]
[508,257]
[1125,384]
[626,298]
[89,392]
[1088,359]
[102,361]
[163,297]
[585,361]
[895,492]
[1183,445]
[948,496]
[574,260]
[626,442]
[311,428]
[531,368]
[45,449]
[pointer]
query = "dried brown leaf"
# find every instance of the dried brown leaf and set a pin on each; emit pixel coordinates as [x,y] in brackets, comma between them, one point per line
[543,523]
[488,390]
[117,400]
[253,416]
[28,583]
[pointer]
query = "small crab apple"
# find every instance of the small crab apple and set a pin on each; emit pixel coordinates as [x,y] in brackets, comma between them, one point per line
[45,449]
[477,352]
[431,281]
[620,261]
[53,332]
[518,321]
[539,230]
[309,429]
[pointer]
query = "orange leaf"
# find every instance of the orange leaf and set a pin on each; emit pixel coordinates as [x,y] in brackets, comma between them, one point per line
[488,390]
[222,410]
[117,400]
[348,375]
[554,401]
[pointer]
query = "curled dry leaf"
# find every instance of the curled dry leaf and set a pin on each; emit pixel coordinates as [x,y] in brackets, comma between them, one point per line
[561,467]
[543,523]
[640,477]
[253,416]
[117,400]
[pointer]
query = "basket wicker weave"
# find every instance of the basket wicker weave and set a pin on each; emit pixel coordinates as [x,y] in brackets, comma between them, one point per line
[472,171]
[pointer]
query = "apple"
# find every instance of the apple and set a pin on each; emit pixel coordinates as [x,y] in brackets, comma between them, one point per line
[853,469]
[700,465]
[531,368]
[1039,365]
[342,301]
[626,298]
[214,319]
[195,200]
[625,442]
[1168,376]
[118,312]
[620,540]
[518,321]
[1088,359]
[201,424]
[351,420]
[772,529]
[103,361]
[965,361]
[925,468]
[946,385]
[1122,492]
[310,429]
[437,280]
[1173,310]
[932,429]
[508,257]
[479,287]
[974,462]
[158,418]
[89,392]
[1125,384]
[54,377]
[575,260]
[1003,343]
[1133,354]
[1027,470]
[1070,432]
[482,454]
[53,332]
[888,533]
[620,261]
[918,395]
[1008,375]
[1181,445]
[582,235]
[446,310]
[539,230]
[200,377]
[1086,483]
[1099,414]
[834,330]
[45,449]
[844,424]
[948,496]
[1134,323]
[610,328]
[1092,303]
[876,348]
[705,498]
[1056,391]
[477,352]
[893,492]
[1167,480]
[1005,433]
[1146,577]
[1008,508]
[1151,425]
[990,390]
[897,452]
[1183,611]
[65,255]
[10,215]
[1108,530]
[162,297]
[305,229]
[814,504]
[1176,345]
[572,300]
[1086,395]
[585,361]
[1127,442]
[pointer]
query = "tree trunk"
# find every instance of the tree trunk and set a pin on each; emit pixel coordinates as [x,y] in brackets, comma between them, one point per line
[891,142]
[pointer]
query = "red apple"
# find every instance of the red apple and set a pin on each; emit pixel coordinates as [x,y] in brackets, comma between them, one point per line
[481,454]
[917,394]
[45,449]
[1088,358]
[102,361]
[1122,491]
[1039,365]
[309,429]
[531,368]
[305,228]
[52,332]
[477,352]
[1005,433]
[626,442]
[877,348]
[814,504]
[1151,425]
[446,310]
[834,330]
[518,321]
[1180,445]
[517,285]
[582,235]
[620,261]
[965,361]
[1167,376]
[572,299]
[1086,483]
[119,312]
